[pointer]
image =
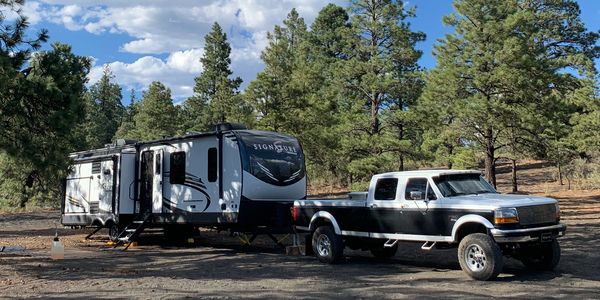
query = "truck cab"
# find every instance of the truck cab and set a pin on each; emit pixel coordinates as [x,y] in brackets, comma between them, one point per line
[441,208]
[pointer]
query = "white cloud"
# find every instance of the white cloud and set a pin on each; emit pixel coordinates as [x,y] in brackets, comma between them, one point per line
[177,72]
[174,27]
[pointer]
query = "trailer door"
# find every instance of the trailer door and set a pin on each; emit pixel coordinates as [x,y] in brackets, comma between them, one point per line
[157,196]
[146,181]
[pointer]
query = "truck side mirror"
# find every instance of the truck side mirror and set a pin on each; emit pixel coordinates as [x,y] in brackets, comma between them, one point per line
[416,195]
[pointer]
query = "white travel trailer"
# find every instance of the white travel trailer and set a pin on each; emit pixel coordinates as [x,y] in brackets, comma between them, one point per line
[232,178]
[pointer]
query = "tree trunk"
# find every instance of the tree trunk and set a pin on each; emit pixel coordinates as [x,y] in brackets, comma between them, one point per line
[515,187]
[450,152]
[401,156]
[374,117]
[490,164]
[560,177]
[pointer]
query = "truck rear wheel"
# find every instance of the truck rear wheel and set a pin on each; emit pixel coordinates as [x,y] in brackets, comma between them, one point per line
[380,251]
[327,246]
[480,257]
[544,257]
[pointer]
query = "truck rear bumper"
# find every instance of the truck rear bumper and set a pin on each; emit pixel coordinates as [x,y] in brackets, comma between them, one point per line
[542,234]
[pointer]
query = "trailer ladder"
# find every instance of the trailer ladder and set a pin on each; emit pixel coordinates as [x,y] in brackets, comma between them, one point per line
[133,230]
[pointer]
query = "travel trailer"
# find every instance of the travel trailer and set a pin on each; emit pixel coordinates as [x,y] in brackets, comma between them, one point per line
[231,178]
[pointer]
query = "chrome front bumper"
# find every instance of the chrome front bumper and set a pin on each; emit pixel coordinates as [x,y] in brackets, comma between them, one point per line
[528,234]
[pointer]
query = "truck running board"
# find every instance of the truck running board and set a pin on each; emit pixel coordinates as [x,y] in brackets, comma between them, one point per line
[390,243]
[428,245]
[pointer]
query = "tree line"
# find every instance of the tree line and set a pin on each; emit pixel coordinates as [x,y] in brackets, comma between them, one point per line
[514,80]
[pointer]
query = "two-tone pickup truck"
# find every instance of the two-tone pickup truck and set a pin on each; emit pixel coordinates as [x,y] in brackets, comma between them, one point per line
[441,209]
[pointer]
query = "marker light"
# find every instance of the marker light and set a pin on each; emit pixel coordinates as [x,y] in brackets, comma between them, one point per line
[507,215]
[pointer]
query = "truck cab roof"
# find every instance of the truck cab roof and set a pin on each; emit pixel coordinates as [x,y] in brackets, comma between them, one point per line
[426,173]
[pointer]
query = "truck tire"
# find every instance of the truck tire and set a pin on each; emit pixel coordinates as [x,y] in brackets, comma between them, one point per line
[544,257]
[480,257]
[327,246]
[380,251]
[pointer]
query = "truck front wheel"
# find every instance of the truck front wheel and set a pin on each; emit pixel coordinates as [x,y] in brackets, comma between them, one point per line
[480,257]
[544,257]
[328,246]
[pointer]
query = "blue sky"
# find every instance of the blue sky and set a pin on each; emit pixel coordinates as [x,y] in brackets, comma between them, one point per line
[145,40]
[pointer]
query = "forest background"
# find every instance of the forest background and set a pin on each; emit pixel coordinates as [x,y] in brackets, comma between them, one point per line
[514,80]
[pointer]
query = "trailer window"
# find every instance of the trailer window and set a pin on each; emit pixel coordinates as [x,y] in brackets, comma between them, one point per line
[177,175]
[157,164]
[272,158]
[385,189]
[213,164]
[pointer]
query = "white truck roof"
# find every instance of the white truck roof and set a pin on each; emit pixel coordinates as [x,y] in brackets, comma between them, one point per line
[427,173]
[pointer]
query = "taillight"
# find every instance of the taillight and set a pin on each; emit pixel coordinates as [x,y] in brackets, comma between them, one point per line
[294,213]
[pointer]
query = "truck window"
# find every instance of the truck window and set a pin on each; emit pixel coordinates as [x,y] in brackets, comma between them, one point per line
[419,185]
[385,189]
[177,175]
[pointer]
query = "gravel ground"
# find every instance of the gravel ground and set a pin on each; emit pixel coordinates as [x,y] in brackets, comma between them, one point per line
[217,266]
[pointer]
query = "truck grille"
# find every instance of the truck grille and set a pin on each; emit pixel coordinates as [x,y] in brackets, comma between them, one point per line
[538,214]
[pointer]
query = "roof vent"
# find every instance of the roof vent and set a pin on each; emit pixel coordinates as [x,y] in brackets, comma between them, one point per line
[123,142]
[229,126]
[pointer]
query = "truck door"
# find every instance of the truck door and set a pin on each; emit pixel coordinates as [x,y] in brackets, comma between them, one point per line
[421,215]
[385,214]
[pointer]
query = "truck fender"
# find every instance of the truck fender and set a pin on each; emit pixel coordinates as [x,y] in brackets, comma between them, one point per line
[470,219]
[324,215]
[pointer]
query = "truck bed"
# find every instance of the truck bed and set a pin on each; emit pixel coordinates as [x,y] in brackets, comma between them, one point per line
[331,203]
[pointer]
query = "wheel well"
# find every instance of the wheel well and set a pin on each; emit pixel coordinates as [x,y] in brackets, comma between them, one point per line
[469,228]
[321,222]
[98,223]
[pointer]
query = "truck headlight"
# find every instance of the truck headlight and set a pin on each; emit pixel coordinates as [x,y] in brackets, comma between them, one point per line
[507,215]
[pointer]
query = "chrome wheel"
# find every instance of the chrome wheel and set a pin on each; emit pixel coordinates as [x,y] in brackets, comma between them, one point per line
[475,258]
[323,245]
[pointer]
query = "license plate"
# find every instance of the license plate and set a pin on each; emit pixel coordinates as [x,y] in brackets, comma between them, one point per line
[546,237]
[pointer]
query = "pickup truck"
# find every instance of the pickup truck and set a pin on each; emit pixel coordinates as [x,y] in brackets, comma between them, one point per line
[441,209]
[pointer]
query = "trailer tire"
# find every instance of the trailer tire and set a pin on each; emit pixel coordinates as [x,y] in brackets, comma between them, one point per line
[380,251]
[113,231]
[480,257]
[544,257]
[327,246]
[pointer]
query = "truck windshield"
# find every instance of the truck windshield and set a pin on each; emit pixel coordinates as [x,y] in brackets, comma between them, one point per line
[273,158]
[462,184]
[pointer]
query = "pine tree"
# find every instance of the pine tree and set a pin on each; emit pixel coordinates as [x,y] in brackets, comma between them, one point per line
[216,97]
[381,82]
[156,116]
[273,95]
[104,111]
[50,100]
[505,60]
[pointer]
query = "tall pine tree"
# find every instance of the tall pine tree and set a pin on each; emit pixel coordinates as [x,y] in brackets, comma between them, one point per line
[216,98]
[504,61]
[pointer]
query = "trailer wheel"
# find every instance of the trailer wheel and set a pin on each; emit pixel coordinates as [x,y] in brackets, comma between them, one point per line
[480,257]
[327,246]
[544,257]
[113,231]
[380,251]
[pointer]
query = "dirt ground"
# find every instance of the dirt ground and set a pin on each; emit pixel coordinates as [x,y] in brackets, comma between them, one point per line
[217,266]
